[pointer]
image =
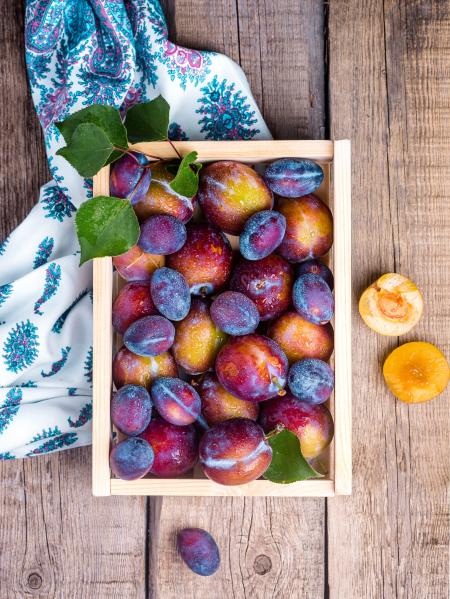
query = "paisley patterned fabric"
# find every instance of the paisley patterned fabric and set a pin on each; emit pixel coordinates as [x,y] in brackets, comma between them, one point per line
[80,52]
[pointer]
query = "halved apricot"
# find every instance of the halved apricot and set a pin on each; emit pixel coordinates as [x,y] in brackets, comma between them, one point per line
[416,372]
[392,305]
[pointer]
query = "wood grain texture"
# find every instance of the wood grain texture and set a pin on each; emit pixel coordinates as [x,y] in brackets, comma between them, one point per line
[20,178]
[389,87]
[56,540]
[389,90]
[275,44]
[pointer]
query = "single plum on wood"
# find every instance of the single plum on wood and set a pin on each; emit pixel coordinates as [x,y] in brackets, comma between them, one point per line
[263,232]
[309,228]
[137,265]
[230,192]
[131,409]
[252,367]
[267,282]
[234,313]
[131,459]
[176,401]
[204,260]
[198,550]
[175,447]
[312,424]
[149,336]
[162,234]
[131,369]
[162,199]
[219,405]
[316,267]
[133,302]
[129,179]
[234,452]
[197,339]
[313,299]
[299,338]
[170,293]
[293,177]
[311,380]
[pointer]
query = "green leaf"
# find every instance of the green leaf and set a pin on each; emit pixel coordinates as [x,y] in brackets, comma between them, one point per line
[288,464]
[148,121]
[105,117]
[186,180]
[88,150]
[106,226]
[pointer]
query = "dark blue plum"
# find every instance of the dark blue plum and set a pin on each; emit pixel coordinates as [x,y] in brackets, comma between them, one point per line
[162,234]
[198,550]
[311,380]
[129,179]
[234,313]
[149,336]
[170,293]
[313,299]
[176,401]
[132,458]
[293,177]
[316,267]
[263,232]
[131,409]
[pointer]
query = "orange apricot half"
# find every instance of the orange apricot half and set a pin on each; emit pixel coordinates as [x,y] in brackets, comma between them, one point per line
[416,372]
[392,305]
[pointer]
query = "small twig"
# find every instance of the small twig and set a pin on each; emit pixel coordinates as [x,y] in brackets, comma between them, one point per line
[175,149]
[133,152]
[274,433]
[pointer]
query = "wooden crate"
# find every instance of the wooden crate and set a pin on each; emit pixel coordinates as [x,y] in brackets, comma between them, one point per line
[334,158]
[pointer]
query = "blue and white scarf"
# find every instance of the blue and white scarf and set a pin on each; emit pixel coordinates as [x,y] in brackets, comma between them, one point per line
[81,52]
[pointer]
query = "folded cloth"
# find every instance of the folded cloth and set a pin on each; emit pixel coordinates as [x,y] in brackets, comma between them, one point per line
[82,52]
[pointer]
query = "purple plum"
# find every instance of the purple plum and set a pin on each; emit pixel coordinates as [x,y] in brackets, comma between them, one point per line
[149,336]
[131,459]
[198,550]
[131,409]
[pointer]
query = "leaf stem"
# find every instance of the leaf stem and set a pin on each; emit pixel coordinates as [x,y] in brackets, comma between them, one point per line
[175,149]
[132,154]
[275,431]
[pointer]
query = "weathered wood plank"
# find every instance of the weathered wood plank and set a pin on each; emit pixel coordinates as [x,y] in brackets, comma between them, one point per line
[390,539]
[269,547]
[23,167]
[56,540]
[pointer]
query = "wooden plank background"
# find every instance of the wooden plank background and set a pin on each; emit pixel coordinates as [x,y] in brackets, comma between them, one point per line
[378,72]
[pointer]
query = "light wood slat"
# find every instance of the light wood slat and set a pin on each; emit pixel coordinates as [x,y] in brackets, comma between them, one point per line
[102,356]
[342,249]
[186,487]
[243,151]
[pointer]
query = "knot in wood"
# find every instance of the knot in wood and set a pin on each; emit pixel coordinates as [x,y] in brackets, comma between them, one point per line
[34,581]
[262,564]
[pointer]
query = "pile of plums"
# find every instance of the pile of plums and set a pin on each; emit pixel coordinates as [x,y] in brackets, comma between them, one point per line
[225,318]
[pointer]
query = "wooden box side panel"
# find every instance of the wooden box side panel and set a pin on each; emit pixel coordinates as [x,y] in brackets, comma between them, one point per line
[102,352]
[203,487]
[343,315]
[244,151]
